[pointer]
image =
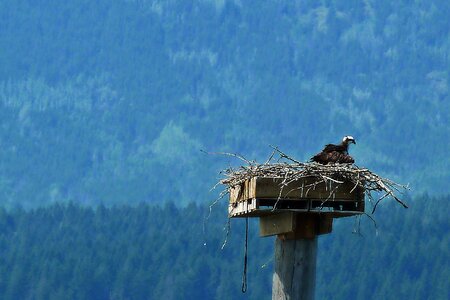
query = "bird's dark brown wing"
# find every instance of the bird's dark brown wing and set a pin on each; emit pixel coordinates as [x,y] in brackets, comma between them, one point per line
[321,158]
[342,158]
[332,157]
[331,147]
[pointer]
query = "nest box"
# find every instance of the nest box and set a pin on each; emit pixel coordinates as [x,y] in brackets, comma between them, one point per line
[299,209]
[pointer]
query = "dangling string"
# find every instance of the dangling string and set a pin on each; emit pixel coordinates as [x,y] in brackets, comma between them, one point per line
[244,273]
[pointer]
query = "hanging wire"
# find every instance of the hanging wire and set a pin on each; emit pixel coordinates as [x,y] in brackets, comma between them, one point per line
[244,273]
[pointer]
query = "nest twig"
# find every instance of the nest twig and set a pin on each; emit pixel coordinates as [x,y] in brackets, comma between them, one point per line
[283,166]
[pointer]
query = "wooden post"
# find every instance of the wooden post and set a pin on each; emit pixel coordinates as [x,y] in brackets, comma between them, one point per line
[295,269]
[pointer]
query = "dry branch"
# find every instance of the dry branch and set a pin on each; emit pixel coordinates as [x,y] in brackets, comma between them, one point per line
[291,170]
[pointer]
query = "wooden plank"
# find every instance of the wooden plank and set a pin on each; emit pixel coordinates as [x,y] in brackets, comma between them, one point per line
[263,207]
[265,188]
[234,193]
[277,224]
[242,208]
[239,192]
[309,225]
[265,212]
[306,227]
[271,187]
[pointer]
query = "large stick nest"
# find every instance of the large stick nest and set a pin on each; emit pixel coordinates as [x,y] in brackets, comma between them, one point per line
[282,166]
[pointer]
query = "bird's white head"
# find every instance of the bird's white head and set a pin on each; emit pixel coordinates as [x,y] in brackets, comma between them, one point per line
[348,139]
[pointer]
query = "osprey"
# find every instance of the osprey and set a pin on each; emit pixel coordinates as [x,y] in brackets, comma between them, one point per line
[335,153]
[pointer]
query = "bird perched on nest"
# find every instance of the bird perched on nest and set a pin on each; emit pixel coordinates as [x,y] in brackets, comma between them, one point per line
[335,153]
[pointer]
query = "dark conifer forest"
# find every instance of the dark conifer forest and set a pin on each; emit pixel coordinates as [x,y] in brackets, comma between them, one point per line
[108,109]
[165,252]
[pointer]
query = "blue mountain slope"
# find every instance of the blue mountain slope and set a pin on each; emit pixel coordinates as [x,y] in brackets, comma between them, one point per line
[111,101]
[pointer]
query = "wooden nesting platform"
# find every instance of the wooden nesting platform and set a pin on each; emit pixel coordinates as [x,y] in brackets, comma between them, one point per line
[300,209]
[258,196]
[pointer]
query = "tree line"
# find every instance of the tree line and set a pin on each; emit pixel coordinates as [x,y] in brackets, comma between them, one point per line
[67,251]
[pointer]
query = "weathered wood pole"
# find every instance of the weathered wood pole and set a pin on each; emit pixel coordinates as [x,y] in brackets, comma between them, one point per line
[295,269]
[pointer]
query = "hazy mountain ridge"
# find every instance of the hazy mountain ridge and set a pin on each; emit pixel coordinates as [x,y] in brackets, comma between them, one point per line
[111,101]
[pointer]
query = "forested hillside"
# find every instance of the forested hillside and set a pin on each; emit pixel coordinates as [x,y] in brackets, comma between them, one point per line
[112,101]
[152,252]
